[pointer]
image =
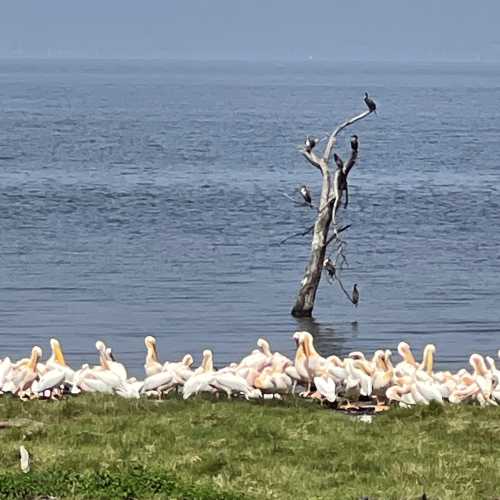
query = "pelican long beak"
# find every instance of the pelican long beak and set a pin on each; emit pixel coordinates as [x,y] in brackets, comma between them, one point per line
[306,347]
[408,355]
[430,362]
[36,354]
[152,349]
[58,354]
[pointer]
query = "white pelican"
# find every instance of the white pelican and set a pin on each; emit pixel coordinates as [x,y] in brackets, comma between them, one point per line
[408,365]
[202,377]
[5,367]
[163,381]
[152,365]
[258,359]
[427,364]
[382,373]
[182,369]
[21,379]
[273,381]
[310,364]
[130,389]
[495,373]
[482,376]
[50,380]
[425,390]
[108,363]
[401,394]
[358,375]
[326,386]
[58,362]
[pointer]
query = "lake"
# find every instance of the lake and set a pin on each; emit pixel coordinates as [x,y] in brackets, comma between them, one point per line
[146,198]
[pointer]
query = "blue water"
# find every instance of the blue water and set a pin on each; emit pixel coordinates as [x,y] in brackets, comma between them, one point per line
[144,198]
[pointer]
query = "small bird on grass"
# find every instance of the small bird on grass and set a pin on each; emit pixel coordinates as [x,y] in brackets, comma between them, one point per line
[355,295]
[370,102]
[306,194]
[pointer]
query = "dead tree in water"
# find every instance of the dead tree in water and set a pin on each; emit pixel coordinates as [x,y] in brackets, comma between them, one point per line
[334,184]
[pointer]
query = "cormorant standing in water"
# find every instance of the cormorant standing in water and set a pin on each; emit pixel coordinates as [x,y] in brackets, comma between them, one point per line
[329,267]
[370,102]
[354,142]
[310,143]
[355,295]
[306,194]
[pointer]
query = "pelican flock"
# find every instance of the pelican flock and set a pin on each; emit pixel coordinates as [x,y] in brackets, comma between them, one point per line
[262,374]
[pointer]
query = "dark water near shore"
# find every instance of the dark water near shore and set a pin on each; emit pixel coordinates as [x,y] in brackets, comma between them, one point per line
[143,198]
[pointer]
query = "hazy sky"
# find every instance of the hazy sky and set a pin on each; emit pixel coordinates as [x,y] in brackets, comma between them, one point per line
[258,29]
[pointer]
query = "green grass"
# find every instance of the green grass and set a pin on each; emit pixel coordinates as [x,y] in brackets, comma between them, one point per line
[106,447]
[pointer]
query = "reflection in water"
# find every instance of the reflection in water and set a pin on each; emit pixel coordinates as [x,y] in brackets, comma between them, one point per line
[325,338]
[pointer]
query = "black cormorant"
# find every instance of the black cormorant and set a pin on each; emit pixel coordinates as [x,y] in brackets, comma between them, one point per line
[329,267]
[354,142]
[355,295]
[306,194]
[310,143]
[370,102]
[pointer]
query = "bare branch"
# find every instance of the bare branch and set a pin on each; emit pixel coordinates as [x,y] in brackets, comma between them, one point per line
[333,137]
[336,233]
[300,233]
[339,281]
[312,159]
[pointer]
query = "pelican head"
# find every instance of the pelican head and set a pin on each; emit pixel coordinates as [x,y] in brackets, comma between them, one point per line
[100,346]
[187,360]
[357,355]
[387,358]
[57,353]
[491,362]
[428,360]
[335,360]
[36,354]
[296,337]
[477,362]
[208,361]
[150,343]
[379,360]
[405,352]
[305,339]
[263,344]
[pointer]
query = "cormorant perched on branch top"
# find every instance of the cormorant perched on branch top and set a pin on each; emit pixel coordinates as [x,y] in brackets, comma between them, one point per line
[370,102]
[306,194]
[354,142]
[310,143]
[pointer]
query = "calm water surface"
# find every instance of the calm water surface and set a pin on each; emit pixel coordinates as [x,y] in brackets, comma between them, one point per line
[144,198]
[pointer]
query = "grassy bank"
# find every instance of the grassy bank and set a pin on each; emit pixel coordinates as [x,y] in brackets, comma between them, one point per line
[106,447]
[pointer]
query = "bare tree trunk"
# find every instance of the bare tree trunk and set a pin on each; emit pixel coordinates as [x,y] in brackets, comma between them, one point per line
[331,194]
[308,287]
